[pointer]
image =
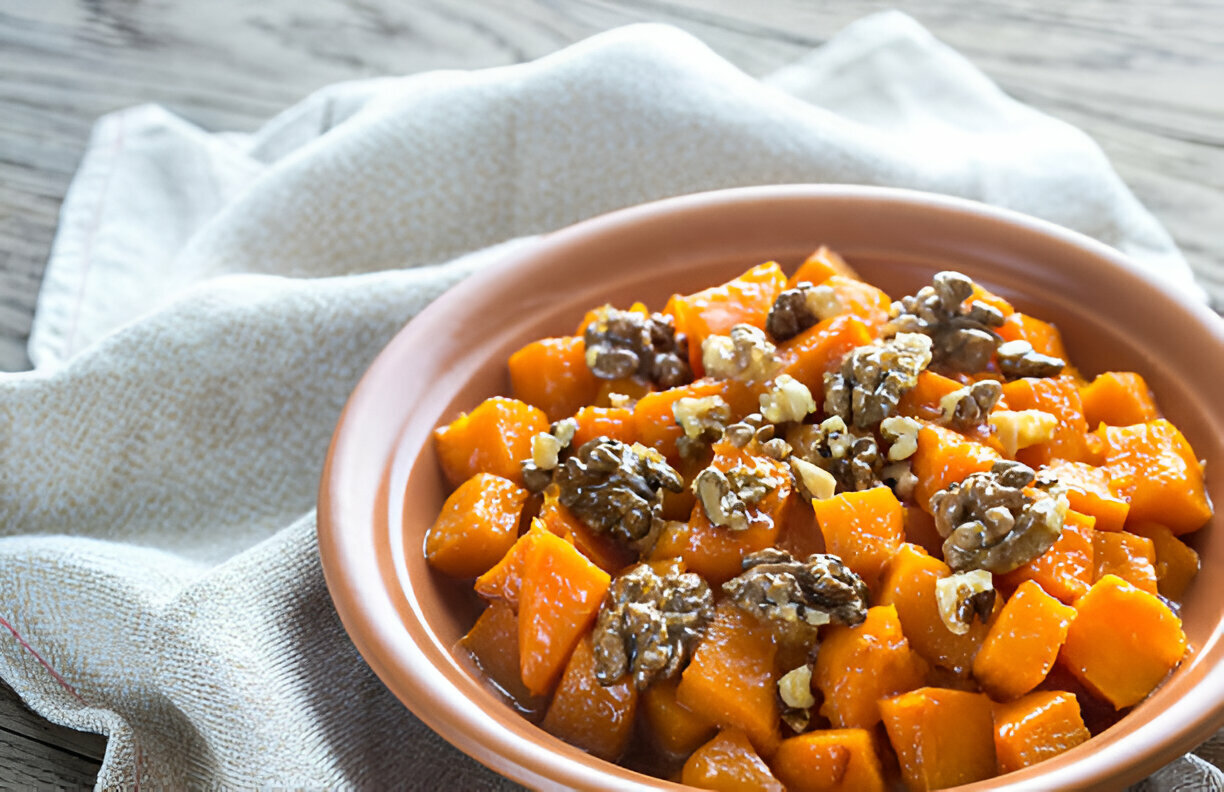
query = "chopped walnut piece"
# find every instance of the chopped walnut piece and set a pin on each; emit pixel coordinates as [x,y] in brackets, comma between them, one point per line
[963,336]
[964,595]
[623,344]
[902,433]
[787,399]
[815,483]
[546,449]
[1017,429]
[616,488]
[703,420]
[799,308]
[795,691]
[901,478]
[744,354]
[1019,359]
[797,597]
[725,497]
[968,407]
[990,521]
[854,459]
[873,377]
[648,624]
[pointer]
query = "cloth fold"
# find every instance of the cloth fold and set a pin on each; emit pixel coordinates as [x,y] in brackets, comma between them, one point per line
[211,299]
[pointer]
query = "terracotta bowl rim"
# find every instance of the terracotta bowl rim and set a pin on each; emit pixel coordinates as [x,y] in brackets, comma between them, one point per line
[356,586]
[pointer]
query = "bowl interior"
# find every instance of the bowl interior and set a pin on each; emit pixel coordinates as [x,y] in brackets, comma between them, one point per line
[382,487]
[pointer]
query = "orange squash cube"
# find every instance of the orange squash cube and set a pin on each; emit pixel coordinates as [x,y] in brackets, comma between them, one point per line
[559,599]
[820,266]
[860,299]
[595,717]
[1037,727]
[1058,396]
[1122,642]
[614,422]
[493,438]
[857,666]
[1118,398]
[924,400]
[729,763]
[1088,492]
[731,680]
[553,374]
[654,422]
[945,457]
[820,349]
[714,311]
[504,580]
[1126,555]
[493,645]
[674,728]
[1153,466]
[1065,570]
[829,760]
[1044,336]
[908,584]
[942,737]
[863,528]
[476,527]
[1176,562]
[606,553]
[1023,643]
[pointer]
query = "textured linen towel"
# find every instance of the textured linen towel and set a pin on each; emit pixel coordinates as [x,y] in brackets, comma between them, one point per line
[211,299]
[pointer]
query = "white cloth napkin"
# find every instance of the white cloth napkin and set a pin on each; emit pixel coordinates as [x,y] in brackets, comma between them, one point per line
[211,299]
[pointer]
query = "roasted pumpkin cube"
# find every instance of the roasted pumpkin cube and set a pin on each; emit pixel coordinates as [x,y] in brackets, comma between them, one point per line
[1065,570]
[606,553]
[1153,466]
[584,712]
[553,374]
[654,421]
[857,666]
[1089,493]
[729,763]
[476,527]
[1058,396]
[1122,642]
[504,580]
[1023,643]
[942,737]
[829,760]
[614,422]
[714,311]
[493,644]
[945,457]
[1176,562]
[821,265]
[862,528]
[732,681]
[820,349]
[493,438]
[1126,555]
[1118,398]
[673,727]
[860,299]
[1037,727]
[925,400]
[1044,336]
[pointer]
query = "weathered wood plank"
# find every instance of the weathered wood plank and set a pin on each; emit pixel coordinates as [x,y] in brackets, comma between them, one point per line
[37,754]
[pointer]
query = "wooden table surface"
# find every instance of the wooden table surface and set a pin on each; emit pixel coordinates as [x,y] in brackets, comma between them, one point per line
[1145,79]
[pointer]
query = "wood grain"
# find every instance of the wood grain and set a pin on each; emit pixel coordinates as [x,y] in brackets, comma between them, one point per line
[36,754]
[1144,79]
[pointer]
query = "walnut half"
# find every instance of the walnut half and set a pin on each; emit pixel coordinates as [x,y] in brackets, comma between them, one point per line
[796,597]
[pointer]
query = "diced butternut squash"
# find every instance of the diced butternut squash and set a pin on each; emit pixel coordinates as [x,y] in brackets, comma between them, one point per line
[1153,466]
[674,728]
[607,554]
[1126,555]
[1037,727]
[1118,398]
[729,763]
[820,266]
[862,300]
[614,422]
[1044,336]
[714,311]
[942,737]
[655,422]
[493,644]
[1058,396]
[908,584]
[862,528]
[800,535]
[1122,642]
[1065,570]
[632,388]
[595,717]
[553,374]
[1023,643]
[1176,562]
[857,666]
[1089,493]
[493,438]
[821,348]
[731,680]
[829,760]
[476,527]
[504,580]
[560,596]
[945,457]
[925,400]
[714,551]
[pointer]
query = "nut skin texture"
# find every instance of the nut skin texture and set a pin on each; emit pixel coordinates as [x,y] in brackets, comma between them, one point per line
[871,380]
[963,336]
[796,597]
[969,407]
[725,497]
[622,344]
[648,625]
[1018,359]
[852,458]
[616,488]
[995,521]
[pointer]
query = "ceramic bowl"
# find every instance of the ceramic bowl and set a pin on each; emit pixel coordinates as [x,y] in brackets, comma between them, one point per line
[382,487]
